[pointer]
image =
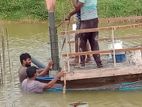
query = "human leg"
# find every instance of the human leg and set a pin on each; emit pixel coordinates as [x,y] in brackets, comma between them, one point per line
[77,40]
[83,41]
[95,46]
[88,57]
[93,40]
[77,47]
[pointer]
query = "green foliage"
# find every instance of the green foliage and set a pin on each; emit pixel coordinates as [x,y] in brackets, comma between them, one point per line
[23,9]
[63,7]
[36,9]
[117,8]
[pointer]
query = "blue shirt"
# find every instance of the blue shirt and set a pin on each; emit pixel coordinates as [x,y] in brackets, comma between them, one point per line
[89,9]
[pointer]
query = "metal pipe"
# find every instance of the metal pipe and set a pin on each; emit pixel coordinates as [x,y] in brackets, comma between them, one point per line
[53,40]
[37,63]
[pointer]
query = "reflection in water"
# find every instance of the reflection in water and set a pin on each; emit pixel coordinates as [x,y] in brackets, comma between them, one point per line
[33,38]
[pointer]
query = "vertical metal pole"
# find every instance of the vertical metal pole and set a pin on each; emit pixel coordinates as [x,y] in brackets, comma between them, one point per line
[53,40]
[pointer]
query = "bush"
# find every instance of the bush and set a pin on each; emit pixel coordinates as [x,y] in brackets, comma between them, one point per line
[35,9]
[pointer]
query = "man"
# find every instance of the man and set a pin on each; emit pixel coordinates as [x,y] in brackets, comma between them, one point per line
[89,19]
[31,85]
[77,36]
[25,60]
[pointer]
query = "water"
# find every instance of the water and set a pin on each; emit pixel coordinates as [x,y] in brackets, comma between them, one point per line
[34,39]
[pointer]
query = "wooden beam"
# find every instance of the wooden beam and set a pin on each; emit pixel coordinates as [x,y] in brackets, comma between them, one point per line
[114,20]
[116,38]
[120,19]
[103,72]
[101,28]
[102,52]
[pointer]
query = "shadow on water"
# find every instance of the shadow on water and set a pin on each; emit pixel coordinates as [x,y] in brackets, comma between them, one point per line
[34,39]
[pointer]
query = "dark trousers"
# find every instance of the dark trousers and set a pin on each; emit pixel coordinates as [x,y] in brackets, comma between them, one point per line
[91,37]
[77,41]
[77,37]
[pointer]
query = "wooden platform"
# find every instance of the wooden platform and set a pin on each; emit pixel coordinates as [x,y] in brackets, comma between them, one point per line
[94,78]
[104,72]
[90,76]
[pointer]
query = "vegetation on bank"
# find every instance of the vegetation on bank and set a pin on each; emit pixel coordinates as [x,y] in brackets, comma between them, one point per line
[36,9]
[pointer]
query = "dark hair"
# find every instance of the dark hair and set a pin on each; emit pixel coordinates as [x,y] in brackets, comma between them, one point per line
[24,56]
[31,71]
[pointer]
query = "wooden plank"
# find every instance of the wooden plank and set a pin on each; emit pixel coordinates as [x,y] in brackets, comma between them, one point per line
[103,72]
[120,19]
[102,52]
[101,28]
[116,38]
[111,20]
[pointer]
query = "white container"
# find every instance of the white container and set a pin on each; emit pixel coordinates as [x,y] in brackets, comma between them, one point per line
[74,26]
[119,56]
[117,45]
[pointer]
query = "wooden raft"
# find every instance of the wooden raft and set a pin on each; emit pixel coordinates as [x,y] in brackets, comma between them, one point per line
[103,72]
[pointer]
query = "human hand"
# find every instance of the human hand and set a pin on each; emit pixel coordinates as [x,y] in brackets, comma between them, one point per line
[60,74]
[68,17]
[50,64]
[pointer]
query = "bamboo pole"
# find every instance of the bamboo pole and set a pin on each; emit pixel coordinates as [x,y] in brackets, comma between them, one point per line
[65,68]
[102,28]
[113,43]
[65,82]
[66,63]
[116,38]
[118,20]
[1,66]
[8,54]
[1,73]
[3,56]
[102,52]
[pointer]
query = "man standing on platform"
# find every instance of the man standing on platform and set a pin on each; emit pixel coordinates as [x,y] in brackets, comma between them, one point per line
[89,19]
[77,36]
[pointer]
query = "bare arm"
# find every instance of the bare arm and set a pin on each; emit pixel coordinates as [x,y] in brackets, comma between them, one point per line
[74,2]
[77,9]
[52,82]
[42,72]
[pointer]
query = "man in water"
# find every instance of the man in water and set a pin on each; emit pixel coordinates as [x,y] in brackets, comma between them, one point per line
[25,59]
[31,85]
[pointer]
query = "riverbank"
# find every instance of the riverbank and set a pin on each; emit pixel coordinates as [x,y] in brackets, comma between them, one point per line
[36,10]
[29,21]
[131,19]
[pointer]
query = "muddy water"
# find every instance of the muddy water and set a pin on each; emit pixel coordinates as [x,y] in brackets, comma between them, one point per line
[33,38]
